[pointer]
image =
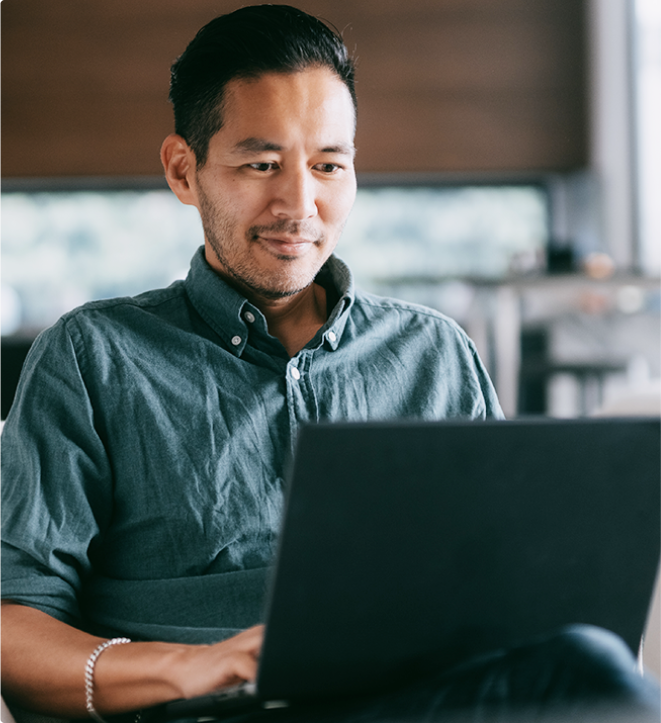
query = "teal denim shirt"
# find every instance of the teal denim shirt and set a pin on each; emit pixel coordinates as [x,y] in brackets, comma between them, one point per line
[143,457]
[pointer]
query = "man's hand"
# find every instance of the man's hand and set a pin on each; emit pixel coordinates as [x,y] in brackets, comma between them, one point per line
[202,669]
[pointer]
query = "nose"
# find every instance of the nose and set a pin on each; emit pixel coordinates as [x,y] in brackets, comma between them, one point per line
[295,195]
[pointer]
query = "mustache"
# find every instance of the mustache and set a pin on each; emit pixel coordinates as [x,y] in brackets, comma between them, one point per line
[287,227]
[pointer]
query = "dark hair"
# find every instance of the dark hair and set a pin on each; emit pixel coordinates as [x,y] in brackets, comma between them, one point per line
[246,44]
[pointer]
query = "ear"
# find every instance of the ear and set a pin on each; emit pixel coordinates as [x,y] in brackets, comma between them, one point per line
[179,164]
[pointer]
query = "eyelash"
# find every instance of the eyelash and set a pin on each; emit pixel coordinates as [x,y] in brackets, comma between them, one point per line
[335,166]
[259,166]
[266,166]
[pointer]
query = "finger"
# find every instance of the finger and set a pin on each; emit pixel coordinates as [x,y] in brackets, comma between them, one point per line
[250,639]
[255,631]
[246,667]
[241,666]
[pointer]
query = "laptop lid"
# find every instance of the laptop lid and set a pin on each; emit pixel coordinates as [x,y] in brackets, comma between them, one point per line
[406,543]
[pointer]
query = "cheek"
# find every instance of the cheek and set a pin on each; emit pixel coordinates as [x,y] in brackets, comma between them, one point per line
[253,205]
[338,205]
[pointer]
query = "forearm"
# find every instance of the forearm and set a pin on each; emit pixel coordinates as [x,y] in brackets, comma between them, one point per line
[43,666]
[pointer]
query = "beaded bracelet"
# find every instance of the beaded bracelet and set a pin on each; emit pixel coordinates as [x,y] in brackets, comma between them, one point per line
[89,676]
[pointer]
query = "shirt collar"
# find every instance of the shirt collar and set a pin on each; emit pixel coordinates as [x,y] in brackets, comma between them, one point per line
[336,273]
[233,317]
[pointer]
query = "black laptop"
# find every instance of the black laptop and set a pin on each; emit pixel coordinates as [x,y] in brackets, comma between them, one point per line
[411,545]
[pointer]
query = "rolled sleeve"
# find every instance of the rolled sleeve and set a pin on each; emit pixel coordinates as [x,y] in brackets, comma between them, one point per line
[56,481]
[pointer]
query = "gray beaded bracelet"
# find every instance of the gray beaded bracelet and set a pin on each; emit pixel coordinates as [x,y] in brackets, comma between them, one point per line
[89,676]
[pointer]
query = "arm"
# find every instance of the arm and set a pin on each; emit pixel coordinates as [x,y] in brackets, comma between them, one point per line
[43,666]
[55,473]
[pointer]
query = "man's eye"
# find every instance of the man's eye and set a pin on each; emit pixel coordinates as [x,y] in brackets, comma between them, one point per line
[263,167]
[327,167]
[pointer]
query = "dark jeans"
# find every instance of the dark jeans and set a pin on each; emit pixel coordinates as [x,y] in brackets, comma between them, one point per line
[581,673]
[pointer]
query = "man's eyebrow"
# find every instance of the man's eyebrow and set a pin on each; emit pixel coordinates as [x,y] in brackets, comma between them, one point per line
[255,145]
[345,149]
[259,145]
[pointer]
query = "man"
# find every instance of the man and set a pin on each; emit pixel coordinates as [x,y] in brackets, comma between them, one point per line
[143,457]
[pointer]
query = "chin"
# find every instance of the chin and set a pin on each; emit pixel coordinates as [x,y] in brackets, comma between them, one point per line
[289,281]
[282,291]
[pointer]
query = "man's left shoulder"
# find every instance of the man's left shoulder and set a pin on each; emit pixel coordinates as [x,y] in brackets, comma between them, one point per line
[405,313]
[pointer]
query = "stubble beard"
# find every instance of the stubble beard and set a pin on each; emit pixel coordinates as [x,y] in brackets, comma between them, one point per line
[220,230]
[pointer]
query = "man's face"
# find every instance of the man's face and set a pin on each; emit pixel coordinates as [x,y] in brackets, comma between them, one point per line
[279,181]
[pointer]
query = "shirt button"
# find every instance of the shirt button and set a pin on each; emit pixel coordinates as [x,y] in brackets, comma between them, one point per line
[236,340]
[249,317]
[295,373]
[331,336]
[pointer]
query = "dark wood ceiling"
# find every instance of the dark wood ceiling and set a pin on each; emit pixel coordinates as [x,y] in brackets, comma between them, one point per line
[443,85]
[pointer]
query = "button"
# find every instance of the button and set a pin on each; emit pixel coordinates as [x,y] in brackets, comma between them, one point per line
[249,317]
[236,340]
[331,336]
[295,373]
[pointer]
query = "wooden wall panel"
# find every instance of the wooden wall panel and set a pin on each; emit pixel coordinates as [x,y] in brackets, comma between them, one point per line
[443,85]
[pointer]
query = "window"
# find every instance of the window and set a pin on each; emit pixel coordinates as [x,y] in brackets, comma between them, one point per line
[62,248]
[647,84]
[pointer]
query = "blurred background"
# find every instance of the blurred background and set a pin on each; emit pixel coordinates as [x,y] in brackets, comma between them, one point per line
[509,167]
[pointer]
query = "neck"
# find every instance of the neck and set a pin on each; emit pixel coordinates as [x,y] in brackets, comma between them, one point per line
[295,320]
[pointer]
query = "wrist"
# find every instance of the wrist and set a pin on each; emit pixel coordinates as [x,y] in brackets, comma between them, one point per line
[140,675]
[89,675]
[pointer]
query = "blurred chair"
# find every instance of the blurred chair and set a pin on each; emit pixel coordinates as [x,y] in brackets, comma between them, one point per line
[14,350]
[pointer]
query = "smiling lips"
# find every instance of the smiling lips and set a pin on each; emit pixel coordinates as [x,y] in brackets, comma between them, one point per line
[287,245]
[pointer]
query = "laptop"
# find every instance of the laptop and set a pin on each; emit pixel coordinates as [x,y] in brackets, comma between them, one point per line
[412,546]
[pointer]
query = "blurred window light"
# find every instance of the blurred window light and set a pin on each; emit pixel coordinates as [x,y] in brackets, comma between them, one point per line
[436,233]
[11,310]
[647,74]
[63,248]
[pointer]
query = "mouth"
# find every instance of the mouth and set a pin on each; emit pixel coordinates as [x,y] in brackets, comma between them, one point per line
[287,245]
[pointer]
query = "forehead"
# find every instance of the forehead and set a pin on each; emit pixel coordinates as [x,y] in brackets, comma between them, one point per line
[310,102]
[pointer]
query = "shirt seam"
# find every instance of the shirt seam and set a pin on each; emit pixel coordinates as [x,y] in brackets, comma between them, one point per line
[169,293]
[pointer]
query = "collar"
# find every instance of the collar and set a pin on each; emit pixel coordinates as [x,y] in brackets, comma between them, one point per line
[233,317]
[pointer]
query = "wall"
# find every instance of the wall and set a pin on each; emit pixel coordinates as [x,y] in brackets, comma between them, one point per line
[444,85]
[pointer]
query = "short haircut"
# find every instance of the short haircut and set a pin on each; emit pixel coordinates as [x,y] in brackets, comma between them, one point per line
[246,44]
